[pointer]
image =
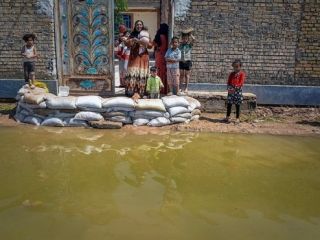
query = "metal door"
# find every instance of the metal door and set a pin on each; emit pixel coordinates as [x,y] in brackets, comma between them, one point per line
[86,46]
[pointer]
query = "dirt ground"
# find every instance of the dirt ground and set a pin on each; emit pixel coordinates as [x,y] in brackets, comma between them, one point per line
[265,120]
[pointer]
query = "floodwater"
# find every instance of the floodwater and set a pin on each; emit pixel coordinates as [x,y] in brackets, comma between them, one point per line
[86,184]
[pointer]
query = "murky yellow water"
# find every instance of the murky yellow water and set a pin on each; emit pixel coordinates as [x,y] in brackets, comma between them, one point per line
[66,184]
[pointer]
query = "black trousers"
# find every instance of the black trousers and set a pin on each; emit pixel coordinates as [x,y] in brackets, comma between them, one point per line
[229,107]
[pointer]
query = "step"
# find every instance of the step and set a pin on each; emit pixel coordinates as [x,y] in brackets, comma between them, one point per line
[216,102]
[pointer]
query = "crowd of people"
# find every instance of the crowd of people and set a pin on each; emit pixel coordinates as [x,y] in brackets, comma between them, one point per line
[173,63]
[169,76]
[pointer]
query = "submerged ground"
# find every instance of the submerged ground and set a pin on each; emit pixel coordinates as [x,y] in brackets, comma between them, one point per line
[63,183]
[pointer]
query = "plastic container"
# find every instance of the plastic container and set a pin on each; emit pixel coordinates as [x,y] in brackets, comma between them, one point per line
[63,91]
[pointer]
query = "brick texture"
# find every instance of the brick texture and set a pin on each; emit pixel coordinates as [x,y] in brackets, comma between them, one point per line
[278,41]
[17,18]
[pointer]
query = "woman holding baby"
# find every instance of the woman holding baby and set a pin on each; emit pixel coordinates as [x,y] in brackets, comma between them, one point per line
[138,65]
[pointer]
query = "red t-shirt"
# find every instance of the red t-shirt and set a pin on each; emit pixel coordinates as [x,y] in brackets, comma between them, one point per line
[236,79]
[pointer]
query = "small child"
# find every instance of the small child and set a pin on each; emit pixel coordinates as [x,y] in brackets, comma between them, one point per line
[173,56]
[235,83]
[144,38]
[185,64]
[154,84]
[29,54]
[123,53]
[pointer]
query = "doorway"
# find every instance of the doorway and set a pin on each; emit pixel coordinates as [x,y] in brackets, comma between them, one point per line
[85,46]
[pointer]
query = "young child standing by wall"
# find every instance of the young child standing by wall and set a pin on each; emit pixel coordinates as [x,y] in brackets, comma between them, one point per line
[173,56]
[29,54]
[154,84]
[235,84]
[185,64]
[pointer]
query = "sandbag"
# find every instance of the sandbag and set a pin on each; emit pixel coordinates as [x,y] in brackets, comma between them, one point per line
[88,116]
[19,117]
[113,114]
[71,122]
[32,120]
[175,101]
[52,122]
[179,120]
[196,112]
[178,110]
[89,102]
[193,103]
[159,122]
[149,114]
[140,122]
[31,107]
[195,118]
[33,98]
[61,115]
[150,104]
[120,109]
[118,102]
[99,110]
[61,103]
[184,115]
[123,119]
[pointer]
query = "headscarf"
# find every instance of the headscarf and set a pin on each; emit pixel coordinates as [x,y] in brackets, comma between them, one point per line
[163,30]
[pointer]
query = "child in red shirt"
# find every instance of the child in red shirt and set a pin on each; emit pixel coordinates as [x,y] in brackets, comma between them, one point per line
[235,83]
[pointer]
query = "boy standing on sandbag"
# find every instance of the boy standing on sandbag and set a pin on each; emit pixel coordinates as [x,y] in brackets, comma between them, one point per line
[154,84]
[29,54]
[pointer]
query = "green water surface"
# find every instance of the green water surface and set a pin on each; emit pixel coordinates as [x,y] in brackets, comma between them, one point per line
[84,184]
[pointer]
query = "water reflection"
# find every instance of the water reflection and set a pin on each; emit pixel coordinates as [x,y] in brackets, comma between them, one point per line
[177,185]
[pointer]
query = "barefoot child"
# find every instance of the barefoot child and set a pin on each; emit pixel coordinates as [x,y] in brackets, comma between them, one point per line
[154,84]
[185,64]
[173,56]
[235,83]
[29,54]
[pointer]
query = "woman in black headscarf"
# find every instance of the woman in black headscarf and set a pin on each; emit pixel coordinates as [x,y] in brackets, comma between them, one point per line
[160,44]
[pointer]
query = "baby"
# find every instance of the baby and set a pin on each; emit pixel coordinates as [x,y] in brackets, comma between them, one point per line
[144,38]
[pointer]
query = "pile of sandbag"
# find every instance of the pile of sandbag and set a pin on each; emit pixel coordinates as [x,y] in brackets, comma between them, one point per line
[37,107]
[151,112]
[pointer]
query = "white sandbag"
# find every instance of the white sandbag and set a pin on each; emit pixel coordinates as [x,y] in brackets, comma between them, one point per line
[61,102]
[118,102]
[196,112]
[52,122]
[88,116]
[150,104]
[178,110]
[149,114]
[89,102]
[140,122]
[123,119]
[175,101]
[195,118]
[98,110]
[120,109]
[184,115]
[32,120]
[193,103]
[159,122]
[71,122]
[179,120]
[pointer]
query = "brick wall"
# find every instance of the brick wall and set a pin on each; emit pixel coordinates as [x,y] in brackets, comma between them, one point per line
[17,18]
[307,68]
[277,40]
